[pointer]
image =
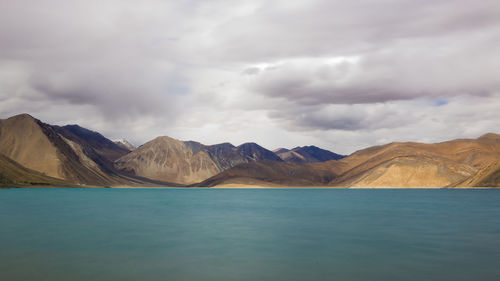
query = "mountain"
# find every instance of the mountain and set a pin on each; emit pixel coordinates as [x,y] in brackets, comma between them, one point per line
[12,174]
[452,163]
[168,159]
[33,153]
[188,162]
[92,140]
[280,150]
[275,174]
[457,163]
[487,177]
[69,153]
[38,147]
[307,154]
[123,143]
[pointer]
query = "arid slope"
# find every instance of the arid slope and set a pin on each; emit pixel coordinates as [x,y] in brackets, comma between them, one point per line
[60,152]
[22,138]
[14,175]
[168,159]
[411,164]
[271,173]
[460,163]
[188,162]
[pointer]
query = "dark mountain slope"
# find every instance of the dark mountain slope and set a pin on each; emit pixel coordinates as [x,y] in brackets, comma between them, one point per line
[273,174]
[307,154]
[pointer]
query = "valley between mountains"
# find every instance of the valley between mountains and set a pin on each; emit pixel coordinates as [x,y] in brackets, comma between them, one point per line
[36,154]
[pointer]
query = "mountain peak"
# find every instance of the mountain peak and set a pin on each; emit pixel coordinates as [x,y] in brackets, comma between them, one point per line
[311,153]
[164,139]
[248,144]
[123,143]
[280,150]
[490,136]
[23,116]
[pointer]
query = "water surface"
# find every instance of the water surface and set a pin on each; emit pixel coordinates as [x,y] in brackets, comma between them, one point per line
[238,234]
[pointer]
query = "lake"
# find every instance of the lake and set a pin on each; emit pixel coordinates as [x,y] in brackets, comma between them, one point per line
[249,234]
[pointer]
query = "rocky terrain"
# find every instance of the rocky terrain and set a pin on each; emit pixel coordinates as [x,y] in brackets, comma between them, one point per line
[70,153]
[306,154]
[457,163]
[13,174]
[125,144]
[33,153]
[189,162]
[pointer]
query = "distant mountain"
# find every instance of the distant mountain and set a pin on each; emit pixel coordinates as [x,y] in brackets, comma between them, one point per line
[33,153]
[168,159]
[457,163]
[69,153]
[412,164]
[123,143]
[188,162]
[101,145]
[271,173]
[307,154]
[280,150]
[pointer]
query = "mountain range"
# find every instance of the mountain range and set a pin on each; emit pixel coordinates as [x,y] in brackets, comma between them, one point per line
[33,153]
[306,154]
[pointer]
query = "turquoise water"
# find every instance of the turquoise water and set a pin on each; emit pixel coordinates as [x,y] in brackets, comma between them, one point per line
[271,234]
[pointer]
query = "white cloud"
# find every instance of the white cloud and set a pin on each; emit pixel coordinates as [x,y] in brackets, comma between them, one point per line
[342,75]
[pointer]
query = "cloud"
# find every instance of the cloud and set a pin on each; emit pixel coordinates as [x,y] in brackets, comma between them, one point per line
[334,73]
[381,77]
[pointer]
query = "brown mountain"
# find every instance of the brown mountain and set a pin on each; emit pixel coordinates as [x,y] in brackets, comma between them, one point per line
[466,162]
[168,159]
[188,162]
[307,154]
[12,175]
[35,153]
[412,164]
[68,153]
[272,173]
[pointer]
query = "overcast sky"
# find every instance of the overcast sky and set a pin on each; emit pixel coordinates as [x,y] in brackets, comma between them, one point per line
[342,75]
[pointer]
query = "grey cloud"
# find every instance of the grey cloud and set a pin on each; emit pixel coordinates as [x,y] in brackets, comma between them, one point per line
[380,77]
[138,70]
[342,117]
[250,71]
[113,55]
[280,29]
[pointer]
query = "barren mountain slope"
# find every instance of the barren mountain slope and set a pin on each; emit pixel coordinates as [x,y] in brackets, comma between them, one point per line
[167,159]
[271,173]
[38,146]
[307,154]
[420,165]
[188,162]
[23,140]
[125,144]
[94,140]
[14,175]
[454,163]
[486,177]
